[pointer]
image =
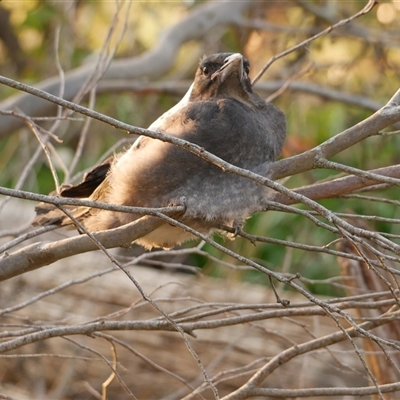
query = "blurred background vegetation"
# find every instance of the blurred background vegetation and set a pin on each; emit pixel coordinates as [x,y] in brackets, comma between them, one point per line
[344,76]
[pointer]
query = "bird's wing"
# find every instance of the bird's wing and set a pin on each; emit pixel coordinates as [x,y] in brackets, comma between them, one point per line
[90,182]
[48,214]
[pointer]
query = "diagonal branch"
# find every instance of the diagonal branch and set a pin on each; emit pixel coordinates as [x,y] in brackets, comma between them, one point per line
[339,186]
[285,356]
[151,64]
[365,10]
[40,254]
[386,116]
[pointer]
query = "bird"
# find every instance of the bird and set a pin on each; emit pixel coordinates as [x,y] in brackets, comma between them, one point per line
[220,113]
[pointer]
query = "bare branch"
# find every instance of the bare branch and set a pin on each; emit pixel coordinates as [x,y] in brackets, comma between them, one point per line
[328,391]
[247,389]
[386,116]
[179,88]
[151,64]
[340,186]
[365,10]
[39,254]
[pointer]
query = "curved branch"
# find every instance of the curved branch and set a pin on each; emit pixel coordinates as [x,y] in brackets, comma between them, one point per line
[40,254]
[151,64]
[179,88]
[297,350]
[384,117]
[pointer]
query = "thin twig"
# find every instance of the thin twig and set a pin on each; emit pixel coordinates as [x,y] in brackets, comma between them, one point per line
[365,10]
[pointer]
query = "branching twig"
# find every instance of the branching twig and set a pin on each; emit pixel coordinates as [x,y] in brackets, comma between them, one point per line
[365,10]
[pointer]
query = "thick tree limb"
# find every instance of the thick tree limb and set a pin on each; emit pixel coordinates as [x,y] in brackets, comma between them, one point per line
[325,391]
[386,116]
[338,187]
[40,254]
[196,310]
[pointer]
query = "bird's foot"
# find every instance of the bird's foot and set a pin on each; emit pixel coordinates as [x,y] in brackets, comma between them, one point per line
[237,226]
[232,231]
[181,202]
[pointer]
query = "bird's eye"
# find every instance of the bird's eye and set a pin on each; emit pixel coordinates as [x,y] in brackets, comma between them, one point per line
[205,70]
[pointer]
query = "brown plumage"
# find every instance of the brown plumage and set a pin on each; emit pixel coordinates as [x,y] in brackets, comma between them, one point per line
[220,113]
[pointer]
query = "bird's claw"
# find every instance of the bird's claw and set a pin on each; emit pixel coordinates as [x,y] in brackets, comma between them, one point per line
[182,202]
[237,226]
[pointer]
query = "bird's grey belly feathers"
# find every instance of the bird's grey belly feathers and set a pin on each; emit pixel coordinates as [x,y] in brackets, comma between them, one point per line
[220,113]
[157,174]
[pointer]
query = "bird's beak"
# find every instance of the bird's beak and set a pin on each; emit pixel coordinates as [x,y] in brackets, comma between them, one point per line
[233,63]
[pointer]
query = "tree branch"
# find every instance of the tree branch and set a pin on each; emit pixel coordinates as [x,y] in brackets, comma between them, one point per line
[386,116]
[179,88]
[368,7]
[327,391]
[40,254]
[285,356]
[152,64]
[157,324]
[381,119]
[339,186]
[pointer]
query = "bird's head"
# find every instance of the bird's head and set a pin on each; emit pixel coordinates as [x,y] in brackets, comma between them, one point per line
[223,75]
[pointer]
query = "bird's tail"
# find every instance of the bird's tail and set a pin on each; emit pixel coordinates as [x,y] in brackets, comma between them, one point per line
[50,214]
